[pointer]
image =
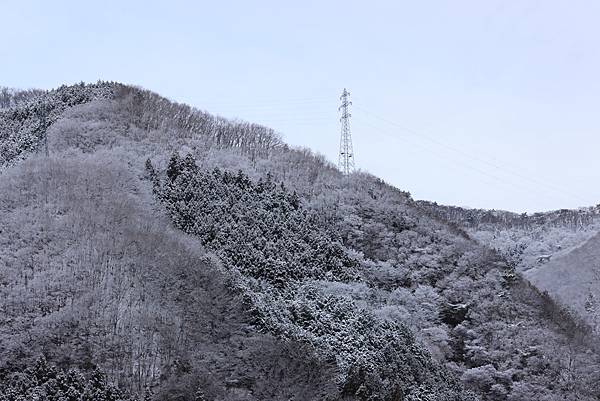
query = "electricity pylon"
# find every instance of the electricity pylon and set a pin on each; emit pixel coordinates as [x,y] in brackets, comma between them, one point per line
[346,157]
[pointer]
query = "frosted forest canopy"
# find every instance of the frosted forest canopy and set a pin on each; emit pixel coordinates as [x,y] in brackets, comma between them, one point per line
[159,252]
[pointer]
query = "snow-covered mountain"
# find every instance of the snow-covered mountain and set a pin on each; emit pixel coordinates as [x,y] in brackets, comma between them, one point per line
[178,255]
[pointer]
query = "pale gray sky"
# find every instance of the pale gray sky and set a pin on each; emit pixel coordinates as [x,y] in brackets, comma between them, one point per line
[476,103]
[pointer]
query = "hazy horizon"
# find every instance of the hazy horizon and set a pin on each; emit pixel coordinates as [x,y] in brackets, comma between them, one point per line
[478,105]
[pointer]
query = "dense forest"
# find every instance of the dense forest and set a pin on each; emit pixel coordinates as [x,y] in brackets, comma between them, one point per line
[12,97]
[169,254]
[554,250]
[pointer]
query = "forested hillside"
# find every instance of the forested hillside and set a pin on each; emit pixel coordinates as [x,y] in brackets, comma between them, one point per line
[528,241]
[189,257]
[24,122]
[555,250]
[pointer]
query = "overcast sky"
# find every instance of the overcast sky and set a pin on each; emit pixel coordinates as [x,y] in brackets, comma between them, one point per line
[489,104]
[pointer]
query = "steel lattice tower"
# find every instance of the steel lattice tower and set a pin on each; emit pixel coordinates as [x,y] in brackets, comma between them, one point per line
[346,159]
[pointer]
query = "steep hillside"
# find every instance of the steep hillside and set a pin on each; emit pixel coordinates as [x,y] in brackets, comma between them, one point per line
[555,250]
[186,256]
[93,276]
[575,280]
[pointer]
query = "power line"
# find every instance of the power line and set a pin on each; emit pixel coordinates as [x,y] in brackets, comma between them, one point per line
[456,162]
[268,102]
[277,112]
[470,155]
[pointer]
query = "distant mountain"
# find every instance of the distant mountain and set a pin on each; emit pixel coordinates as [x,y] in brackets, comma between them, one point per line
[529,240]
[190,257]
[574,278]
[558,251]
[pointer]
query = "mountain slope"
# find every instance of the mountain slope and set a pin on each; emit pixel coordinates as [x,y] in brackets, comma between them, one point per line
[574,279]
[556,250]
[125,249]
[23,125]
[94,277]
